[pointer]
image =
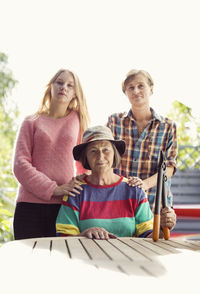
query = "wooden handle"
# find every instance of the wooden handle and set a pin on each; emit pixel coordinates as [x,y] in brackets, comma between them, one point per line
[166,232]
[156,227]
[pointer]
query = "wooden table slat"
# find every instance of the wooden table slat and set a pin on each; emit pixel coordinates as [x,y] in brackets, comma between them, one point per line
[164,245]
[153,268]
[193,245]
[152,246]
[133,254]
[76,249]
[146,252]
[94,250]
[111,251]
[107,264]
[184,244]
[131,268]
[59,249]
[175,244]
[42,248]
[196,244]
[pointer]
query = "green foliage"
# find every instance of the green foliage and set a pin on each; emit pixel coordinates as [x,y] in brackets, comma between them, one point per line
[8,126]
[188,135]
[7,82]
[5,221]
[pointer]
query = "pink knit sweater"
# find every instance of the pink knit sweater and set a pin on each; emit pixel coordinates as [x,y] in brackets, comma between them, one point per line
[43,156]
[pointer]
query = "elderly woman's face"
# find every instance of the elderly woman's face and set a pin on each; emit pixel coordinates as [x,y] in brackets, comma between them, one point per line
[100,155]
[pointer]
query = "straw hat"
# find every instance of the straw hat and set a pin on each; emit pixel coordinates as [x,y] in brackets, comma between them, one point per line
[98,133]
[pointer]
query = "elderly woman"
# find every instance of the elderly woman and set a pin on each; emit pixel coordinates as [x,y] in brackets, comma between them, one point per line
[107,207]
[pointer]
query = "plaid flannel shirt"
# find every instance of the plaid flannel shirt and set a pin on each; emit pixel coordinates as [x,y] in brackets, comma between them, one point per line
[142,153]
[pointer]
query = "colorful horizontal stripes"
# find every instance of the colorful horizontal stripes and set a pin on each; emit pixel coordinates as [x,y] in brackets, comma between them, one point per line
[117,208]
[68,230]
[108,209]
[144,228]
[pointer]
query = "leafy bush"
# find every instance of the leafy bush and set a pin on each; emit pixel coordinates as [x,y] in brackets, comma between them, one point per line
[8,127]
[188,135]
[6,224]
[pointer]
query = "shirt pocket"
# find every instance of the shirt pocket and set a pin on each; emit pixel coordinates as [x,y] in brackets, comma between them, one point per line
[151,151]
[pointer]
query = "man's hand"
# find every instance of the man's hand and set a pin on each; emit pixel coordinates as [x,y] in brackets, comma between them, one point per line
[135,181]
[167,218]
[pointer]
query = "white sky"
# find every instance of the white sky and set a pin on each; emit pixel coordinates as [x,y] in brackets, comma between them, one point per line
[101,40]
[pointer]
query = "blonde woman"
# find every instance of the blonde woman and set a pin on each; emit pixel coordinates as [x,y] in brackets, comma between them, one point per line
[43,162]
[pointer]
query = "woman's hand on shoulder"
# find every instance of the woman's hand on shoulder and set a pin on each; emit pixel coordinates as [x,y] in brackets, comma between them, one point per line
[97,233]
[70,189]
[82,176]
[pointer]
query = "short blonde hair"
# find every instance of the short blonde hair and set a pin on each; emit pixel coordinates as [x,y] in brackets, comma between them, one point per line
[78,104]
[134,72]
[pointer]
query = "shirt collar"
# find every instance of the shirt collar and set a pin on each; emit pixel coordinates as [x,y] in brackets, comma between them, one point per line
[155,116]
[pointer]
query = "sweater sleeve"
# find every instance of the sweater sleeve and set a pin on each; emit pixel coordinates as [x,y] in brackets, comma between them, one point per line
[67,222]
[172,148]
[28,176]
[143,216]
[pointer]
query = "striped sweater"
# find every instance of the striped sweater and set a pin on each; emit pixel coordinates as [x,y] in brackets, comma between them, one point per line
[119,208]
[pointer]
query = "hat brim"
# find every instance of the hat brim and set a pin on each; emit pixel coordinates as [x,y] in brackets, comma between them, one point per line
[119,144]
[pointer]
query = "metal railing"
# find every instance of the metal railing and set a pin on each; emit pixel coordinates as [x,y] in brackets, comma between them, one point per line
[188,157]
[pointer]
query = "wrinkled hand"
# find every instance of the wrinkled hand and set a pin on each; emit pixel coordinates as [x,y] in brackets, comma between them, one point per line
[68,189]
[167,218]
[97,233]
[80,177]
[135,181]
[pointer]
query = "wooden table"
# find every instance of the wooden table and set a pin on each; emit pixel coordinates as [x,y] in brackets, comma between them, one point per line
[78,264]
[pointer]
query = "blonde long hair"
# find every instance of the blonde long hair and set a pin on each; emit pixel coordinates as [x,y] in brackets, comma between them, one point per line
[77,104]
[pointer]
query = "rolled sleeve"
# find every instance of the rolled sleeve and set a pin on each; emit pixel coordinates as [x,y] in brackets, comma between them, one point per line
[172,148]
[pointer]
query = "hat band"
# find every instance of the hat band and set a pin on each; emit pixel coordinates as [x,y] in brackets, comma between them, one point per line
[88,139]
[100,137]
